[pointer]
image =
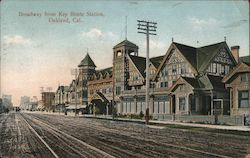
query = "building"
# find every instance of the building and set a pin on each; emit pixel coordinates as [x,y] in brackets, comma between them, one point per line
[61,98]
[1,106]
[7,101]
[238,82]
[86,71]
[24,102]
[48,99]
[33,103]
[100,91]
[197,88]
[185,81]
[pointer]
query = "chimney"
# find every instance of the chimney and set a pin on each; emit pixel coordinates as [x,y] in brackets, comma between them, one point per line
[235,52]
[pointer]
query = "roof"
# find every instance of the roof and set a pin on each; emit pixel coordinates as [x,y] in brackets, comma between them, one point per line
[205,54]
[245,59]
[125,43]
[156,61]
[205,82]
[192,81]
[140,63]
[188,52]
[216,82]
[104,72]
[102,97]
[240,68]
[87,61]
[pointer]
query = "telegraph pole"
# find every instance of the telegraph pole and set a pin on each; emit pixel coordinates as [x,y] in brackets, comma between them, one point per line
[146,27]
[49,89]
[75,72]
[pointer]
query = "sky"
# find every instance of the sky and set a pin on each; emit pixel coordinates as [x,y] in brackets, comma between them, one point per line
[37,51]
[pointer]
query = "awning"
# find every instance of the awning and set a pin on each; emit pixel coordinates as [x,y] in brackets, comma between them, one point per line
[74,106]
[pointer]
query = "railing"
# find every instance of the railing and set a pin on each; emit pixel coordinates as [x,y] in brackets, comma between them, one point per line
[206,119]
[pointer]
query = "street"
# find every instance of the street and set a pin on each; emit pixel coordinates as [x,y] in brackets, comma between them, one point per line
[41,135]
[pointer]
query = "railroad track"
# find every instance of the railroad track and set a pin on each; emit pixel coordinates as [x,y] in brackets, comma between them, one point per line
[124,138]
[68,144]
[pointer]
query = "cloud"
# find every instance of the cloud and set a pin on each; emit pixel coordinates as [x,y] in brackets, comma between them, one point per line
[95,33]
[201,23]
[155,44]
[235,24]
[176,4]
[14,40]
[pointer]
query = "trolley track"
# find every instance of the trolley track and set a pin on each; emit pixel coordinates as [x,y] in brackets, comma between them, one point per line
[125,145]
[66,145]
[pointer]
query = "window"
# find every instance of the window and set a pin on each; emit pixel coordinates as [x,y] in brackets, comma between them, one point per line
[219,68]
[222,69]
[118,90]
[183,69]
[182,103]
[214,68]
[245,77]
[174,70]
[243,99]
[164,84]
[227,68]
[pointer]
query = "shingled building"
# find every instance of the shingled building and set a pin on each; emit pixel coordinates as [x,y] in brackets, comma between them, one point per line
[184,81]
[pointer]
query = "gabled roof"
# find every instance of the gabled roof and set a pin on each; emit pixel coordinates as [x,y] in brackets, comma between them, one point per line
[140,63]
[156,61]
[103,98]
[192,81]
[125,43]
[198,58]
[240,68]
[181,80]
[205,82]
[206,54]
[87,61]
[188,52]
[103,72]
[245,59]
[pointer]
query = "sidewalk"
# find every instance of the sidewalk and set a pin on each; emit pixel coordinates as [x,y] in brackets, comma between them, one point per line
[166,122]
[223,127]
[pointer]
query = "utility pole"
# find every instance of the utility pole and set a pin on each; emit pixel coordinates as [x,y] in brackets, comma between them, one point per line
[49,89]
[146,27]
[75,72]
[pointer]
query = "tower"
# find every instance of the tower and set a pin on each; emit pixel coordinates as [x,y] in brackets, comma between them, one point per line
[120,65]
[86,70]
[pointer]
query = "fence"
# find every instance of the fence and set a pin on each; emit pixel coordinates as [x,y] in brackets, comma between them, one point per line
[206,119]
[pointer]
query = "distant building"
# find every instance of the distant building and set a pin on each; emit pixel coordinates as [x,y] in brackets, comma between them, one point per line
[48,99]
[61,98]
[7,101]
[1,106]
[40,106]
[24,102]
[33,103]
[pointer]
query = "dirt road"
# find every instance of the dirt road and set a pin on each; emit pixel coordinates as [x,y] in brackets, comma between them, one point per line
[39,135]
